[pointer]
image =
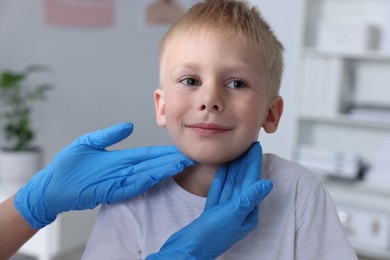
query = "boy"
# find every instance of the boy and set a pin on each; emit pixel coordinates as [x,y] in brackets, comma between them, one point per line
[220,72]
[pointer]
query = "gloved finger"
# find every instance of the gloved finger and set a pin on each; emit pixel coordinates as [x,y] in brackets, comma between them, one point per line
[247,168]
[136,155]
[136,184]
[240,171]
[229,185]
[164,170]
[155,164]
[253,160]
[216,187]
[245,177]
[106,137]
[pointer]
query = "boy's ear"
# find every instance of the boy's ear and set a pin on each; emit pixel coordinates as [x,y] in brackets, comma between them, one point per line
[275,111]
[159,103]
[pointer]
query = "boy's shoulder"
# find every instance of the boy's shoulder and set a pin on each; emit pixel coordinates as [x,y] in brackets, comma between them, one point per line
[294,187]
[289,175]
[275,167]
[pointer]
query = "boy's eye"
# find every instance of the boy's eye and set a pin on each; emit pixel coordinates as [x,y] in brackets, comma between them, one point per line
[237,84]
[190,82]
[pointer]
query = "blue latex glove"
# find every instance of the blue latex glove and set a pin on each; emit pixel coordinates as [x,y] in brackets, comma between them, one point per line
[231,212]
[84,175]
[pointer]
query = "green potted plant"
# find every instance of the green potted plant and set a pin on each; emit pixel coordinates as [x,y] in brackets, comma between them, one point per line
[19,160]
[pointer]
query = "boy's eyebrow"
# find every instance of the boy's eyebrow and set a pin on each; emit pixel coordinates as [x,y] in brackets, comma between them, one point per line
[186,66]
[241,67]
[232,68]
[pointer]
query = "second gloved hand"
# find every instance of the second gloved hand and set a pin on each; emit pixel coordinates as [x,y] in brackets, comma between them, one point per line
[85,174]
[230,214]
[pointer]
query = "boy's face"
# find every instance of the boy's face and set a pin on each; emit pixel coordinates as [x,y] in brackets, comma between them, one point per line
[213,97]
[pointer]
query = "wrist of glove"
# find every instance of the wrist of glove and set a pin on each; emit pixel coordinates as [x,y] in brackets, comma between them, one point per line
[32,207]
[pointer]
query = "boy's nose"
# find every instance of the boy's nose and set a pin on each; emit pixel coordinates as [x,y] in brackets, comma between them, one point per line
[211,100]
[213,107]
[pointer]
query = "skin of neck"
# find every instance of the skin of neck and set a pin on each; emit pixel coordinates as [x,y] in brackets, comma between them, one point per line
[197,179]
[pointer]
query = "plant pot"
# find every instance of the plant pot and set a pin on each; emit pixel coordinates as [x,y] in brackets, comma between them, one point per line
[17,167]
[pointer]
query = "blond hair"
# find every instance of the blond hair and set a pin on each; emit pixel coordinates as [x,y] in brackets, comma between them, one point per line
[238,19]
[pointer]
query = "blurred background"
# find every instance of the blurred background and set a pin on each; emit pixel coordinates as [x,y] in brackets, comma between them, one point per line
[102,57]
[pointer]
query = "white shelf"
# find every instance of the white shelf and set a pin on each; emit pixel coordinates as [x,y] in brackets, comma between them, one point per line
[357,190]
[368,56]
[345,120]
[333,81]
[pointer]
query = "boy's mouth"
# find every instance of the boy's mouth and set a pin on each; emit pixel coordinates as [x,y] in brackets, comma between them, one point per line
[208,129]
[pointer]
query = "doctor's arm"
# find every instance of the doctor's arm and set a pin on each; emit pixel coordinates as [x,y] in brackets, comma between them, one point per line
[14,229]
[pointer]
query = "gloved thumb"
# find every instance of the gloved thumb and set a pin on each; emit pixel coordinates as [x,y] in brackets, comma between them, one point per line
[103,138]
[252,197]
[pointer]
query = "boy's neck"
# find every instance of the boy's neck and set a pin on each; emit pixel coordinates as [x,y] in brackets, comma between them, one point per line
[197,179]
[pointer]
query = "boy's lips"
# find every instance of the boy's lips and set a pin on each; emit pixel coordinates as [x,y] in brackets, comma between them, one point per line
[208,129]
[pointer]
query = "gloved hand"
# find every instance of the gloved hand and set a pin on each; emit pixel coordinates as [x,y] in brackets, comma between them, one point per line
[84,175]
[231,212]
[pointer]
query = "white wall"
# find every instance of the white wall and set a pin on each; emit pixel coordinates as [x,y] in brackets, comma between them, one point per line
[106,76]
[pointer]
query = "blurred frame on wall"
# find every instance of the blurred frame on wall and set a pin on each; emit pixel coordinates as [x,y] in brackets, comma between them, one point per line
[80,13]
[162,13]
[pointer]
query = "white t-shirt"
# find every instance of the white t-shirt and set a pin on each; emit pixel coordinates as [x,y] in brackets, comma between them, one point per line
[297,220]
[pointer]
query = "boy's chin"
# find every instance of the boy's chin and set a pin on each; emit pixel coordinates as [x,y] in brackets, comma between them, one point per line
[213,154]
[211,159]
